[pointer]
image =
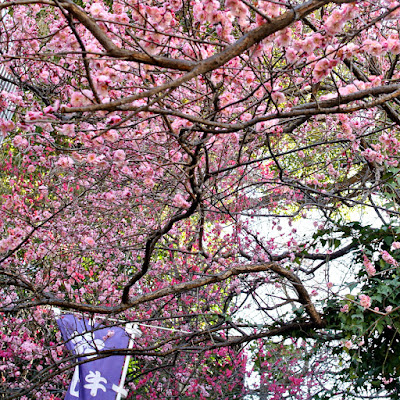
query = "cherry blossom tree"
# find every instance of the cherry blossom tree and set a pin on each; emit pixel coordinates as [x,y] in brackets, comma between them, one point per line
[193,166]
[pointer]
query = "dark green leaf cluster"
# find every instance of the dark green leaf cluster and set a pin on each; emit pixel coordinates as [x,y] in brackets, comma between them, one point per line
[371,335]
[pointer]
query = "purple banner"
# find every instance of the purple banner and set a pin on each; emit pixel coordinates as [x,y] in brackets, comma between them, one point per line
[98,379]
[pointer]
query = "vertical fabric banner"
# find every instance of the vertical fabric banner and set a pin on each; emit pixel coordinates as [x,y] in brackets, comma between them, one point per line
[101,378]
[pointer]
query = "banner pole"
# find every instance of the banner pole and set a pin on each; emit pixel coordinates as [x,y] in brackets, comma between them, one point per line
[131,331]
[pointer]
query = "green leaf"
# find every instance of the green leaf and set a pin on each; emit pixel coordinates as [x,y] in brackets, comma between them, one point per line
[396,324]
[351,286]
[377,297]
[388,240]
[380,326]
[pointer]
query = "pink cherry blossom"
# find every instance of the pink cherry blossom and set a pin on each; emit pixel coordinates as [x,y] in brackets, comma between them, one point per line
[6,126]
[393,45]
[348,344]
[97,10]
[278,97]
[345,308]
[111,136]
[79,99]
[373,156]
[335,22]
[89,241]
[91,157]
[65,162]
[164,161]
[395,245]
[388,258]
[68,130]
[373,47]
[119,155]
[322,69]
[365,300]
[180,201]
[369,266]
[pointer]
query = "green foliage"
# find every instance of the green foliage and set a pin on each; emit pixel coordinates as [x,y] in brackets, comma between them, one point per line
[370,335]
